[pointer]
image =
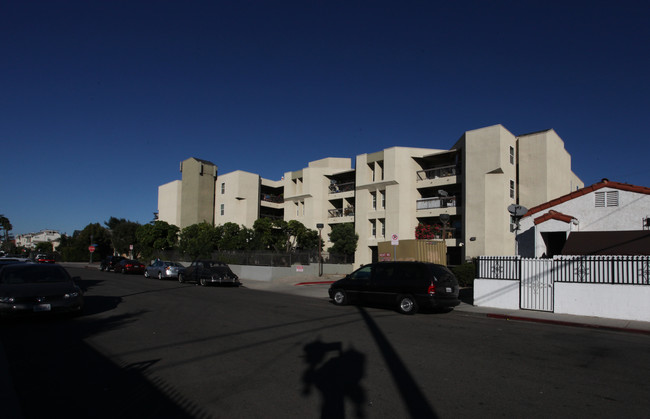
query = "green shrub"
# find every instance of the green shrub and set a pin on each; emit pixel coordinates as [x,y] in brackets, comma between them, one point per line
[465,274]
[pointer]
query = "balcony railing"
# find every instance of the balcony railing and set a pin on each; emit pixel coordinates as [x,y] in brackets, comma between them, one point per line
[437,202]
[438,172]
[341,187]
[341,212]
[277,199]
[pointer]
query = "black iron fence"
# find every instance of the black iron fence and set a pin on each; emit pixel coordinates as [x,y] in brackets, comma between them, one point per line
[626,270]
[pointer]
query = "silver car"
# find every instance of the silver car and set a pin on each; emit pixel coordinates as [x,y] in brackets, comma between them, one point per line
[163,269]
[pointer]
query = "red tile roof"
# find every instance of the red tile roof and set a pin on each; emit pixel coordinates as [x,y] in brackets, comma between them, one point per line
[553,215]
[588,189]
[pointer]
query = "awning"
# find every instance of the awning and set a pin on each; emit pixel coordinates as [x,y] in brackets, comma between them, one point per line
[608,243]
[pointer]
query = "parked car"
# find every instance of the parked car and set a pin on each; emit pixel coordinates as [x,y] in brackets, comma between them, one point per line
[163,269]
[205,272]
[129,266]
[108,264]
[405,285]
[43,258]
[38,288]
[11,260]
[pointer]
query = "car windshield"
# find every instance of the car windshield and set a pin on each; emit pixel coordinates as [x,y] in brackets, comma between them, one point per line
[29,274]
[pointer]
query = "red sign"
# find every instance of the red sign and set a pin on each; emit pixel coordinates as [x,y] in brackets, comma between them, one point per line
[91,249]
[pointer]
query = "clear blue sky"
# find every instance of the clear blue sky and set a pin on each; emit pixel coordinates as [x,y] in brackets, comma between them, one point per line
[101,100]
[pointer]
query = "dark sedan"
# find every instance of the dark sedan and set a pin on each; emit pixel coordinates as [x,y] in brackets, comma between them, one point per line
[129,266]
[38,288]
[205,272]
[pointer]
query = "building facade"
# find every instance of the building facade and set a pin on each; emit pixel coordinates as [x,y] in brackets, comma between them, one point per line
[463,192]
[604,207]
[30,240]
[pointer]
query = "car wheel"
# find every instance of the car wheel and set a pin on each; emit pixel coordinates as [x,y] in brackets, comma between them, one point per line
[180,278]
[202,282]
[407,305]
[123,271]
[159,275]
[340,298]
[101,268]
[146,273]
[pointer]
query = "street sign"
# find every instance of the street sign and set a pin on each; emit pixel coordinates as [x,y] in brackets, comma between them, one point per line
[394,240]
[91,249]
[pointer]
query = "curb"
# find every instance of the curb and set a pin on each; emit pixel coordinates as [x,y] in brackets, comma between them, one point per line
[567,323]
[315,283]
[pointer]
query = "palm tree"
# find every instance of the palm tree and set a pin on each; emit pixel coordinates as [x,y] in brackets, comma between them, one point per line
[6,226]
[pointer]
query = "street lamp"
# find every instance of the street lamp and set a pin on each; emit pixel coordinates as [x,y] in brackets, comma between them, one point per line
[320,226]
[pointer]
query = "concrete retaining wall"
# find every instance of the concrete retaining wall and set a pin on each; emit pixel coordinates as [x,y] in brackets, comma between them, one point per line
[269,273]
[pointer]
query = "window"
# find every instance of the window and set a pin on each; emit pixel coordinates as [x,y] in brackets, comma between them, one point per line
[223,209]
[512,155]
[382,224]
[606,199]
[382,198]
[223,188]
[512,189]
[297,208]
[373,196]
[373,228]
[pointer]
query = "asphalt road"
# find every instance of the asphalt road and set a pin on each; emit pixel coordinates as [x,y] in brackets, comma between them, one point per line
[159,349]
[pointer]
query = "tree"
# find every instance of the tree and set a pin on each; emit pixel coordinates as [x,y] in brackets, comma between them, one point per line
[155,237]
[344,239]
[300,237]
[270,234]
[75,248]
[43,247]
[230,237]
[198,240]
[6,227]
[123,236]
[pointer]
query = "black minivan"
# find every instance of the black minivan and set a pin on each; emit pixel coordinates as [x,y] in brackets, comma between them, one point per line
[405,285]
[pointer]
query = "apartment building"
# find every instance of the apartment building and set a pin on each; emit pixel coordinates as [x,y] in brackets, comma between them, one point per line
[463,191]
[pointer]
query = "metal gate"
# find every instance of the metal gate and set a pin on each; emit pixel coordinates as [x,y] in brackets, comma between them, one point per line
[536,285]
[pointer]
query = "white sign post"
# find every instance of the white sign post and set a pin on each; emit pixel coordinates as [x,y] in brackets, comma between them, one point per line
[394,240]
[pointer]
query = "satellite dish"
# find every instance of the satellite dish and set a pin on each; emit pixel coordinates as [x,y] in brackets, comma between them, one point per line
[444,218]
[443,192]
[517,211]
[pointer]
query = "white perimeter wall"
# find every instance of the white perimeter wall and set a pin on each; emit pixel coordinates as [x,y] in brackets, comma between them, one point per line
[628,302]
[497,293]
[625,302]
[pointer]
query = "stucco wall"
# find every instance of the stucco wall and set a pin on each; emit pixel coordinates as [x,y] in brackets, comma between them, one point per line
[625,302]
[497,293]
[628,215]
[306,272]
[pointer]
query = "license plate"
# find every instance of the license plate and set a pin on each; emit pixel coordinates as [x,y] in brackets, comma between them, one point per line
[42,307]
[448,289]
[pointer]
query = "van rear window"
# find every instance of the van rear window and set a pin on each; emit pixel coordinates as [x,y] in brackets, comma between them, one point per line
[441,273]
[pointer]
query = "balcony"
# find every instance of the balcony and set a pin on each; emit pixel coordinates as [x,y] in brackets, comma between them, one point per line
[336,187]
[276,199]
[437,172]
[340,212]
[437,202]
